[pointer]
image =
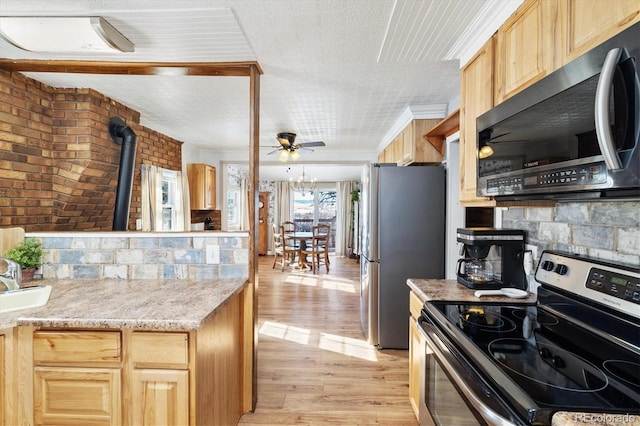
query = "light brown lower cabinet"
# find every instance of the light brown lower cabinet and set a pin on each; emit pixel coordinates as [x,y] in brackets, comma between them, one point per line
[416,345]
[132,377]
[160,397]
[8,377]
[74,396]
[2,383]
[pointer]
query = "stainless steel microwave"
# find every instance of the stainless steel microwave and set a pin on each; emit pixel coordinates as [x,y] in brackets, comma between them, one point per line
[572,135]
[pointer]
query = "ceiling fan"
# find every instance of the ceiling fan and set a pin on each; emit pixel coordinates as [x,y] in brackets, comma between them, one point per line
[289,149]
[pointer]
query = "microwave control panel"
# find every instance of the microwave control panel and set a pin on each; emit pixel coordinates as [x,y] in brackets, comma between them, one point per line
[576,177]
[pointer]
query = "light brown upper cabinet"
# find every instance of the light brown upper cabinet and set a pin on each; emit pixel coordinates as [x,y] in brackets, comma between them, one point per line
[540,37]
[409,146]
[392,153]
[415,148]
[202,186]
[585,24]
[396,150]
[476,97]
[525,47]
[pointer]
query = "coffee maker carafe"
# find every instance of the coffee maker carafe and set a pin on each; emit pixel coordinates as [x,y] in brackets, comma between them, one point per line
[492,258]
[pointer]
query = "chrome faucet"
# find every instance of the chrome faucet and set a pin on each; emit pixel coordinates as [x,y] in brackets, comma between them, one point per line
[12,277]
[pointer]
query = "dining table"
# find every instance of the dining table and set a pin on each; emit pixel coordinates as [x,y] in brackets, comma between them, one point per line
[302,237]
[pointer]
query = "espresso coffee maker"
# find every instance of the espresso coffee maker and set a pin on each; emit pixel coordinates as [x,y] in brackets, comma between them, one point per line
[492,258]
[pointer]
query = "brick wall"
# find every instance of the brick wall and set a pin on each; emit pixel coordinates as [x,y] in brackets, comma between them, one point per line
[58,164]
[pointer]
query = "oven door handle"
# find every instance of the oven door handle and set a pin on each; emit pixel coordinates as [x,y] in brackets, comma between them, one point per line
[438,349]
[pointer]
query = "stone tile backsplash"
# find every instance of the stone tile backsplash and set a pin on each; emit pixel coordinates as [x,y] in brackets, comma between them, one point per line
[144,256]
[604,230]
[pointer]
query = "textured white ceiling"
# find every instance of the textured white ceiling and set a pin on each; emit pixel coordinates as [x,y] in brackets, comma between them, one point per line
[341,71]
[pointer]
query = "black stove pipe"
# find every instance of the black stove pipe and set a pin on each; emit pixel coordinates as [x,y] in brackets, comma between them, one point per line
[123,135]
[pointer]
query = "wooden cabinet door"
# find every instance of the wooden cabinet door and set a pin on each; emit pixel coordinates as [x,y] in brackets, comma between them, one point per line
[3,385]
[77,396]
[408,145]
[415,148]
[202,186]
[476,97]
[524,48]
[387,154]
[210,188]
[587,23]
[160,397]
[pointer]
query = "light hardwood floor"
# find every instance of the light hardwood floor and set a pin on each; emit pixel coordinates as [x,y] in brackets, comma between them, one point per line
[314,366]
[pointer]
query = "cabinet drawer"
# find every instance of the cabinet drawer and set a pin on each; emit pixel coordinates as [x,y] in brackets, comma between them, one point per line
[415,305]
[77,346]
[160,350]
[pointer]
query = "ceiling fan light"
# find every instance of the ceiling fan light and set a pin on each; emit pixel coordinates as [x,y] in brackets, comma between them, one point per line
[485,151]
[295,155]
[67,34]
[284,156]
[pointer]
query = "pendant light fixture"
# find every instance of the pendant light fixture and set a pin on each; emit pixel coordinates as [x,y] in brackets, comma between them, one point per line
[302,185]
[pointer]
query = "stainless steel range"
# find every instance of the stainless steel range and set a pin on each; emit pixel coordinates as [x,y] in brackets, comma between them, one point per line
[577,349]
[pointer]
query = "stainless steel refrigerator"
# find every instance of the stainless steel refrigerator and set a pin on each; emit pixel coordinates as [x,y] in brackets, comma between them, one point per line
[402,236]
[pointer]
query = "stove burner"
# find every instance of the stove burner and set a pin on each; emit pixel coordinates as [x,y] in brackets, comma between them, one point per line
[484,319]
[625,371]
[547,365]
[540,317]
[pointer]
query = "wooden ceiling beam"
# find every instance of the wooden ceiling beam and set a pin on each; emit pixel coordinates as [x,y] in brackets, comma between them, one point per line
[232,69]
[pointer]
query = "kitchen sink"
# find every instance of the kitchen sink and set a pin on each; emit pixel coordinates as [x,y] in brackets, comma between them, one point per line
[23,298]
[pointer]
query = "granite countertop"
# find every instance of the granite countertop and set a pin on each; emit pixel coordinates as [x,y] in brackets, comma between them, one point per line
[159,305]
[452,290]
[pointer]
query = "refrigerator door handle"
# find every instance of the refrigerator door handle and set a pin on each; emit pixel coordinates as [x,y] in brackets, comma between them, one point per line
[370,260]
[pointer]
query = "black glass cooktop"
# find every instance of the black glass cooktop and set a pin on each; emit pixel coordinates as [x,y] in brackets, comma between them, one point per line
[561,365]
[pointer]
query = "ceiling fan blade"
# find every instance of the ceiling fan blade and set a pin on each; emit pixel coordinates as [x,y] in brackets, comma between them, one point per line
[308,144]
[302,148]
[275,150]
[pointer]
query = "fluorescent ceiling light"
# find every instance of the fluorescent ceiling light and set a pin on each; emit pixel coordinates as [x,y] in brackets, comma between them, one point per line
[63,34]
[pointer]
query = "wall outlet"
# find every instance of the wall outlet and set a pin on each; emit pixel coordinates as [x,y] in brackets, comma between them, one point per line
[212,253]
[138,224]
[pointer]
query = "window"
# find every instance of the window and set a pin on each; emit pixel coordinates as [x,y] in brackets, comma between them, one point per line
[234,209]
[313,207]
[169,200]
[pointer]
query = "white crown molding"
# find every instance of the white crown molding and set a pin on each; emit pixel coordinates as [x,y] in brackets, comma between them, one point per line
[485,24]
[413,112]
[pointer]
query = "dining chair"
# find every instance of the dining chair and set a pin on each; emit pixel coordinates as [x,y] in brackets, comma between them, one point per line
[318,251]
[278,249]
[289,227]
[284,247]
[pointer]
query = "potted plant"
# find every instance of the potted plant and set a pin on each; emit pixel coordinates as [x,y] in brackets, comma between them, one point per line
[28,255]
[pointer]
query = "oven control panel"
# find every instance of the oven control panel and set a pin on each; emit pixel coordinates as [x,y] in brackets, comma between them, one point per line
[615,284]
